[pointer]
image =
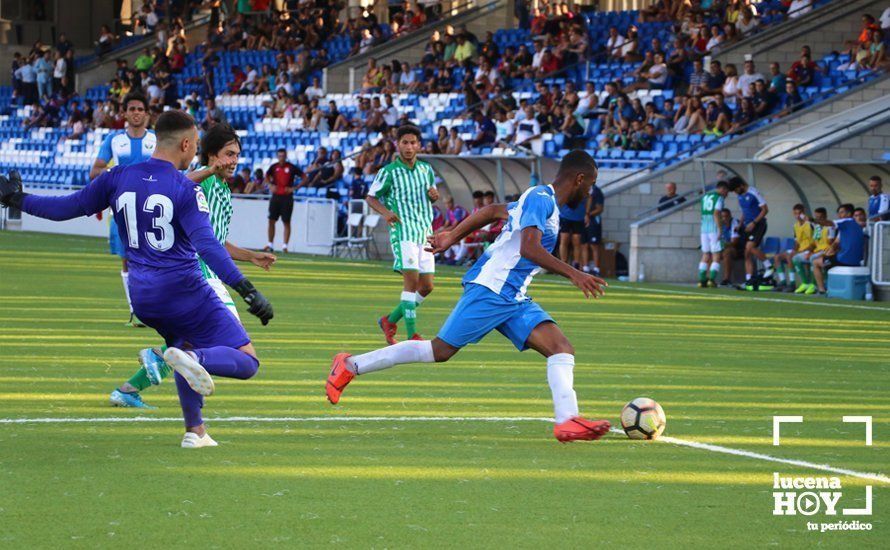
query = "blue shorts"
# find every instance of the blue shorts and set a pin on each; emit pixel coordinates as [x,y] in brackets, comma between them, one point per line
[480,310]
[184,309]
[115,246]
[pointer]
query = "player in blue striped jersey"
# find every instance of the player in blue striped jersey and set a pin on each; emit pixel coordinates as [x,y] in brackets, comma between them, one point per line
[122,148]
[495,297]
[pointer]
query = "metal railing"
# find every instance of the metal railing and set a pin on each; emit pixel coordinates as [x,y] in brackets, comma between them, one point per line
[879,256]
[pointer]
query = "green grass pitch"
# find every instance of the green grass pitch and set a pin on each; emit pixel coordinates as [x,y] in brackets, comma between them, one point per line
[720,363]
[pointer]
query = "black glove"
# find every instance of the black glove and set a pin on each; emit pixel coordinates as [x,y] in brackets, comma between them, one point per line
[258,305]
[11,190]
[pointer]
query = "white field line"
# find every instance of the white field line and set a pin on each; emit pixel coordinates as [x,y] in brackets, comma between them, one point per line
[670,440]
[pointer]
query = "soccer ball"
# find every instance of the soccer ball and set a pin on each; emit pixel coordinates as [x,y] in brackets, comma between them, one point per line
[642,418]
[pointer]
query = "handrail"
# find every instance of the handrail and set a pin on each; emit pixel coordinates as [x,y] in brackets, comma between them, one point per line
[678,206]
[834,131]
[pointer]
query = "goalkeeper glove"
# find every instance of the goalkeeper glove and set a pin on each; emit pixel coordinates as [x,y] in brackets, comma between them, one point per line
[257,304]
[11,190]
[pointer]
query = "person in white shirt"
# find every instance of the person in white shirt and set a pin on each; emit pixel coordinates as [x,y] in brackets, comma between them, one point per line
[504,126]
[528,131]
[799,8]
[389,112]
[539,53]
[615,44]
[885,19]
[314,91]
[407,80]
[60,69]
[750,77]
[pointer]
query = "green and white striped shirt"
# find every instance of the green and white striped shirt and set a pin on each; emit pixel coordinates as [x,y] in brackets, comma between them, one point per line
[219,199]
[404,191]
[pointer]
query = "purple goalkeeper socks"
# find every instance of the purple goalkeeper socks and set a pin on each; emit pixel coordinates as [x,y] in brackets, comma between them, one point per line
[227,362]
[218,361]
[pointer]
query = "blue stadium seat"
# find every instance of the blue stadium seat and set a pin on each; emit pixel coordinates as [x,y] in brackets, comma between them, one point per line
[771,246]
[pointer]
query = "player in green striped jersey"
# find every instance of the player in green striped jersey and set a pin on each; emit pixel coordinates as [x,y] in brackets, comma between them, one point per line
[220,148]
[403,193]
[711,205]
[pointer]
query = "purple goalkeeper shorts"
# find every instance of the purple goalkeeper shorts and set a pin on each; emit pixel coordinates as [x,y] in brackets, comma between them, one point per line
[184,309]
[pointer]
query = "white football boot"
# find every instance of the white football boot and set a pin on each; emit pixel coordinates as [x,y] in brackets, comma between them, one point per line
[192,440]
[197,377]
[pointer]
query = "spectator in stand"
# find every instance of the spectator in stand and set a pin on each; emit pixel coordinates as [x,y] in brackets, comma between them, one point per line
[803,71]
[863,40]
[240,182]
[777,79]
[747,23]
[762,100]
[715,79]
[698,79]
[744,115]
[280,177]
[654,78]
[731,86]
[60,71]
[614,45]
[465,51]
[373,78]
[43,69]
[456,145]
[105,42]
[27,77]
[750,77]
[718,117]
[63,45]
[876,52]
[528,130]
[454,214]
[327,173]
[847,249]
[670,198]
[792,100]
[878,201]
[485,130]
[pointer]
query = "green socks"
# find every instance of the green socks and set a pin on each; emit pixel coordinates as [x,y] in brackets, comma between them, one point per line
[410,302]
[409,309]
[140,380]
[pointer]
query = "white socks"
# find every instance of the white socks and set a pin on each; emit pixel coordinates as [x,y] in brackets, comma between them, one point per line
[560,376]
[715,268]
[409,351]
[125,277]
[418,298]
[408,296]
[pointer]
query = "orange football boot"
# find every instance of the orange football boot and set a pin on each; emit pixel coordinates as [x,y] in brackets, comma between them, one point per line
[389,330]
[580,429]
[339,378]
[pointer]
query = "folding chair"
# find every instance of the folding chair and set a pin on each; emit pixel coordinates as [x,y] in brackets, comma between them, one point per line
[353,224]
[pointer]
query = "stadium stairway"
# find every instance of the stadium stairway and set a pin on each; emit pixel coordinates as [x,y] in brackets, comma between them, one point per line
[823,29]
[488,15]
[667,243]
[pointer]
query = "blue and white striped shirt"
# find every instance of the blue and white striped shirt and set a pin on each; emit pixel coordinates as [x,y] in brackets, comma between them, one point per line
[502,269]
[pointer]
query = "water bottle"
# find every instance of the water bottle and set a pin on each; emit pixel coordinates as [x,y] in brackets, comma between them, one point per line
[641,277]
[869,297]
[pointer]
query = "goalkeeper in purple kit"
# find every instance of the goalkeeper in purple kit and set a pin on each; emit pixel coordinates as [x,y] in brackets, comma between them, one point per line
[162,219]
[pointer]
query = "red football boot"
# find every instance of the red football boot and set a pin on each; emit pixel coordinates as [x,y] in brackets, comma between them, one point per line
[339,378]
[417,337]
[389,330]
[580,429]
